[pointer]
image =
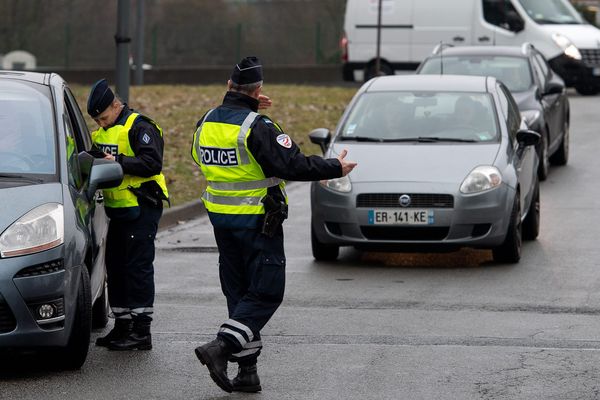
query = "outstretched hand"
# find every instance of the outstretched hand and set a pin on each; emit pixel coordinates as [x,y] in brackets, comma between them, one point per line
[264,102]
[347,166]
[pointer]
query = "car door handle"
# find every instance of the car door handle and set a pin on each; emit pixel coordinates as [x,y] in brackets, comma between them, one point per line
[483,38]
[458,39]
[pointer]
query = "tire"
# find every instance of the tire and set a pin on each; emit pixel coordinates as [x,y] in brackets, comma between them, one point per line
[531,223]
[561,155]
[510,250]
[322,251]
[100,310]
[544,165]
[384,69]
[74,354]
[587,90]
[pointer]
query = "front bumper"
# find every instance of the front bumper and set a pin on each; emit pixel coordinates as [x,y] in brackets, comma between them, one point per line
[27,282]
[479,221]
[579,72]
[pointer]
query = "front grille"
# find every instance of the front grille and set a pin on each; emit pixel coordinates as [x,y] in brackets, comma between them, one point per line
[417,200]
[41,269]
[590,57]
[8,323]
[404,233]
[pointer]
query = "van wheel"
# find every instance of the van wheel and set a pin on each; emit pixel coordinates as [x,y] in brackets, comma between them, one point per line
[322,251]
[531,224]
[384,69]
[510,250]
[74,354]
[561,155]
[100,310]
[587,90]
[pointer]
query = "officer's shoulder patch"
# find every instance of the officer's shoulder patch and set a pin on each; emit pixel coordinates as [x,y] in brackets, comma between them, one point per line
[146,138]
[284,141]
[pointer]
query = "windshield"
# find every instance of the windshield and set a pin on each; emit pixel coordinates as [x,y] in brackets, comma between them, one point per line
[551,12]
[444,116]
[514,72]
[27,139]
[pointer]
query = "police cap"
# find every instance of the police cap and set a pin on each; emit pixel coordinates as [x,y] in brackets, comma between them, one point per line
[100,98]
[247,71]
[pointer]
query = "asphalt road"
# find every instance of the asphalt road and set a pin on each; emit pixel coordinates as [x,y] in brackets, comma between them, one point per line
[382,326]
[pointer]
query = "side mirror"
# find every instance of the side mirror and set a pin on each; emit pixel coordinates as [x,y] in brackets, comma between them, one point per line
[104,174]
[527,137]
[553,88]
[322,137]
[515,22]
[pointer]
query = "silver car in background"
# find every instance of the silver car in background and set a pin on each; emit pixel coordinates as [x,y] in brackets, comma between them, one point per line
[444,162]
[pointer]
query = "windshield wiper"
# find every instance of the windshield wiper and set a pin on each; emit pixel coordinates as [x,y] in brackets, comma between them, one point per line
[20,177]
[430,139]
[362,138]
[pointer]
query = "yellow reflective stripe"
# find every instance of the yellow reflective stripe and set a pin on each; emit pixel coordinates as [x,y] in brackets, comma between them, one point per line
[241,139]
[234,186]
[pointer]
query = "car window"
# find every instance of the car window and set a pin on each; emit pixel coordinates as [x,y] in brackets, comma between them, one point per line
[408,115]
[79,125]
[502,13]
[503,103]
[542,64]
[514,72]
[73,148]
[539,73]
[551,12]
[513,117]
[27,132]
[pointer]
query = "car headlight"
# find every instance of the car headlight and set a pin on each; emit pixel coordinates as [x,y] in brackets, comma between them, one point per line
[480,179]
[531,116]
[339,184]
[568,47]
[40,229]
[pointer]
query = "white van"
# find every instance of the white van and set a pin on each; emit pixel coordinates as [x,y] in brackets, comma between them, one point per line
[410,29]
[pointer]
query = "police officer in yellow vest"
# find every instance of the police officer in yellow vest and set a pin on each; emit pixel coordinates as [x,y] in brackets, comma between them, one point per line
[134,209]
[245,158]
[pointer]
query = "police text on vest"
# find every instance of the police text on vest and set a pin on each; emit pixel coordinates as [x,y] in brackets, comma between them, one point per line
[218,156]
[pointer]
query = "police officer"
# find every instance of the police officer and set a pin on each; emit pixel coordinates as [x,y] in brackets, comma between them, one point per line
[134,208]
[245,158]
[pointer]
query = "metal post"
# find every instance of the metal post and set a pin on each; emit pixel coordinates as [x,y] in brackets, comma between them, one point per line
[377,58]
[67,44]
[122,39]
[238,50]
[139,45]
[154,47]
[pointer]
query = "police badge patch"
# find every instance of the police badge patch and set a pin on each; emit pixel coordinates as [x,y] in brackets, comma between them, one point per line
[284,141]
[146,138]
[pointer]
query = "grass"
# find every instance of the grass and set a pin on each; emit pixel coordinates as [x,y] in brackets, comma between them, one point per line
[298,109]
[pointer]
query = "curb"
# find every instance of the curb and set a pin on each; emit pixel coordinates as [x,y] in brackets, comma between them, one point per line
[173,215]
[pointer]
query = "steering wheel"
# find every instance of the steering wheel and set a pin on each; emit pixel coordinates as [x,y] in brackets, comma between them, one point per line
[23,163]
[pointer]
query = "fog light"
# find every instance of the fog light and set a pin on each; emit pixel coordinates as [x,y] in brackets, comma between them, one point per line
[46,311]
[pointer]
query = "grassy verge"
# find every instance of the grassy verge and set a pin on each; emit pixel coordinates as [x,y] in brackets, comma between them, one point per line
[298,109]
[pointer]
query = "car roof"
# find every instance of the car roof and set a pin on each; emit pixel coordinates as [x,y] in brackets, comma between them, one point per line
[444,83]
[35,77]
[513,51]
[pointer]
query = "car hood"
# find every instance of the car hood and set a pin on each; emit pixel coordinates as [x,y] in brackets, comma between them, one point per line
[431,162]
[17,201]
[524,99]
[583,36]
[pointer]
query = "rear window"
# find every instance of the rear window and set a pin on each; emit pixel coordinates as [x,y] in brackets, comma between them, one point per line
[514,72]
[27,136]
[395,116]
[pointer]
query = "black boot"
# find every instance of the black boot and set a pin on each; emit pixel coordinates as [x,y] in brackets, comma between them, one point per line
[246,380]
[215,355]
[139,338]
[120,331]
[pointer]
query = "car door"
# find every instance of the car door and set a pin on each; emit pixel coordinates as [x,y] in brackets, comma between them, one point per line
[91,210]
[498,23]
[553,103]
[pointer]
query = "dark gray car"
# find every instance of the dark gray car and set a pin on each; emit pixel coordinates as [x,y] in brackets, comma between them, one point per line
[52,221]
[539,92]
[444,162]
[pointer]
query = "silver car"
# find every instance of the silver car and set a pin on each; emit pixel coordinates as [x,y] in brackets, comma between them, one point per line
[52,221]
[444,162]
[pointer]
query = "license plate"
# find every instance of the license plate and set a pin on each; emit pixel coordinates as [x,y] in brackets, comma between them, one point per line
[596,71]
[401,217]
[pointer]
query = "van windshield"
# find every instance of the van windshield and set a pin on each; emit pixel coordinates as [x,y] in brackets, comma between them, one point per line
[551,12]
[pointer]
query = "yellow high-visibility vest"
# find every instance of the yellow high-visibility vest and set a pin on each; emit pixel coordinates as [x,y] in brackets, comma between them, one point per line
[115,140]
[236,183]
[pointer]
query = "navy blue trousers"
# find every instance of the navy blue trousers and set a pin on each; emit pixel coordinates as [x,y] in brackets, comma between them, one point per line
[129,264]
[252,274]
